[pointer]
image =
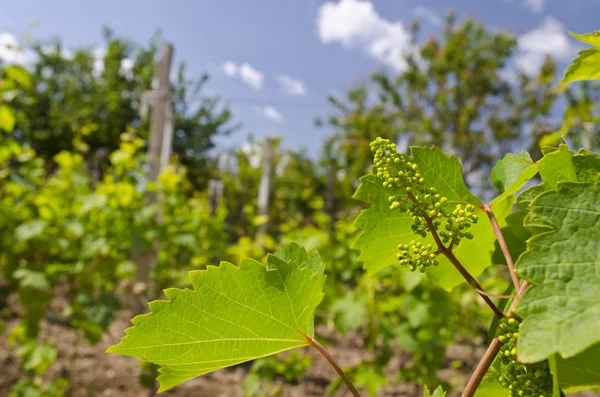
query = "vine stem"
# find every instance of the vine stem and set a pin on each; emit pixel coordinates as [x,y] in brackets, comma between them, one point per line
[491,352]
[334,364]
[447,252]
[503,246]
[494,347]
[482,368]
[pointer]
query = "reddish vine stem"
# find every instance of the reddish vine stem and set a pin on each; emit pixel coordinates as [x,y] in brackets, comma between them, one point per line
[447,252]
[496,295]
[494,347]
[503,246]
[334,364]
[520,291]
[482,368]
[471,280]
[491,352]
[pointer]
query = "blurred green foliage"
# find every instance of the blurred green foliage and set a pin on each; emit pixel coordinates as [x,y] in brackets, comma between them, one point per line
[73,215]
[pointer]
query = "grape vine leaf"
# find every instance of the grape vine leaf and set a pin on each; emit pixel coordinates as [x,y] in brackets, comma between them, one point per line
[581,371]
[439,392]
[7,119]
[584,67]
[382,228]
[512,173]
[561,310]
[557,166]
[233,315]
[526,196]
[592,39]
[560,165]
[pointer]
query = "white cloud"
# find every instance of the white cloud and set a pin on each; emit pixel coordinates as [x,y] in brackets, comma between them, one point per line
[291,86]
[230,69]
[549,38]
[272,114]
[251,76]
[10,51]
[126,64]
[64,52]
[98,53]
[536,6]
[428,14]
[356,24]
[246,72]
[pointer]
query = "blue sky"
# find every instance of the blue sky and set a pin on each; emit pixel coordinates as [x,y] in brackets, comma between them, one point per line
[277,60]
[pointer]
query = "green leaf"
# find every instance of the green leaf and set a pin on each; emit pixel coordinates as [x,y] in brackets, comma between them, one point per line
[36,356]
[527,196]
[18,74]
[557,167]
[382,228]
[592,39]
[31,229]
[439,392]
[349,312]
[562,165]
[7,119]
[584,67]
[581,371]
[561,309]
[233,315]
[552,367]
[444,173]
[511,173]
[32,279]
[587,166]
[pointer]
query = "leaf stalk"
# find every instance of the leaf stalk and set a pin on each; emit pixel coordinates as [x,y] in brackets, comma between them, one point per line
[503,246]
[312,342]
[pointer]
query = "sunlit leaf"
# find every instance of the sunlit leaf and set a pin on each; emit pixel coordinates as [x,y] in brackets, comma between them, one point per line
[233,314]
[561,310]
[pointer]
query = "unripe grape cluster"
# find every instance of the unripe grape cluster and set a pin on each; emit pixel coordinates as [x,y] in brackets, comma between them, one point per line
[417,255]
[410,193]
[532,380]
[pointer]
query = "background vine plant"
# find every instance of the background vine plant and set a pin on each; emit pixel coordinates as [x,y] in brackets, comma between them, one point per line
[416,272]
[546,321]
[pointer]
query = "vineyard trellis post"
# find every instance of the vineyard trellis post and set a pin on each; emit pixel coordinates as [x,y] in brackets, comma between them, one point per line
[264,190]
[159,151]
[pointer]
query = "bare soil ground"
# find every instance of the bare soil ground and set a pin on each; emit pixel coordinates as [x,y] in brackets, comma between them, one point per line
[94,373]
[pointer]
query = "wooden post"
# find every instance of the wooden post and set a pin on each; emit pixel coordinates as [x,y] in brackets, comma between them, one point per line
[587,135]
[159,147]
[215,192]
[167,142]
[330,198]
[264,190]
